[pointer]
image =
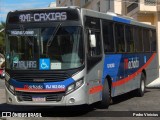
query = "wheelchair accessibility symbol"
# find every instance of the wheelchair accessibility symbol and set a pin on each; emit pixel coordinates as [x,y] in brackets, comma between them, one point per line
[44,64]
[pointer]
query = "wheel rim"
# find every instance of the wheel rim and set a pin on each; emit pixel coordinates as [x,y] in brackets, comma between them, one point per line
[142,86]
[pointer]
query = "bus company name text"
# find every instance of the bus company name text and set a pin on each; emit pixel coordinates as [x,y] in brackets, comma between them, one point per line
[38,17]
[131,63]
[40,87]
[37,87]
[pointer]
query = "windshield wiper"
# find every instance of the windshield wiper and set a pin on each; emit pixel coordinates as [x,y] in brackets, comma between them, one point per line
[53,35]
[26,38]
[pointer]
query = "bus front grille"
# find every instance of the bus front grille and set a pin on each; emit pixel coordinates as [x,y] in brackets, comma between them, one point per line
[23,96]
[39,76]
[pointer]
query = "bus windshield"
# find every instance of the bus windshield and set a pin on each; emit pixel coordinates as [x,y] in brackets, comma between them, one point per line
[61,46]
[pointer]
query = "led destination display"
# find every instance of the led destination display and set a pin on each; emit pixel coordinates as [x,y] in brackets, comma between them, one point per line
[38,17]
[42,16]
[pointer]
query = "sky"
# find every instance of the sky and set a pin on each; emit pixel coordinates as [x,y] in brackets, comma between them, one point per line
[10,5]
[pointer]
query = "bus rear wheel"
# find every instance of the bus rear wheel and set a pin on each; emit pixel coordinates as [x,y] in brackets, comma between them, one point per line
[141,89]
[106,96]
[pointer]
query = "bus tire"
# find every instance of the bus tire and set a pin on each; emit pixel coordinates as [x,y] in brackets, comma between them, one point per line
[106,96]
[141,89]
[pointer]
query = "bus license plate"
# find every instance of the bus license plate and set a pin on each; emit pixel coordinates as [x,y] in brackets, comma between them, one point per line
[38,99]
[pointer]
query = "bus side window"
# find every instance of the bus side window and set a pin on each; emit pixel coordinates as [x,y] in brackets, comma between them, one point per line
[129,38]
[153,40]
[146,40]
[138,39]
[119,37]
[108,38]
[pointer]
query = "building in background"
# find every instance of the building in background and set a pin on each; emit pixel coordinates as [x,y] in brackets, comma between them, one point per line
[97,5]
[52,4]
[141,10]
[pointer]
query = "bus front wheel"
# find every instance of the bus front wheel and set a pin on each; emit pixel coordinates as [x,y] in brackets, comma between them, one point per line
[106,96]
[141,89]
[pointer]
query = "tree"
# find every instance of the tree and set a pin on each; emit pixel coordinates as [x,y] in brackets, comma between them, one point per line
[2,37]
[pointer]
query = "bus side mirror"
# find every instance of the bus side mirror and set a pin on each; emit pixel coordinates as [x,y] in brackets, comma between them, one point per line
[92,41]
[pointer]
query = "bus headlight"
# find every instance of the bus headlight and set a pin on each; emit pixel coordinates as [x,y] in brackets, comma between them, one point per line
[79,83]
[74,86]
[10,87]
[7,76]
[70,88]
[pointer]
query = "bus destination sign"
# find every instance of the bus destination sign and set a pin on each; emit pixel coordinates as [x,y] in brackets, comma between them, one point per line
[42,17]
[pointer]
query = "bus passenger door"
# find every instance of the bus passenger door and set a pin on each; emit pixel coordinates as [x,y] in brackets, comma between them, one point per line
[94,64]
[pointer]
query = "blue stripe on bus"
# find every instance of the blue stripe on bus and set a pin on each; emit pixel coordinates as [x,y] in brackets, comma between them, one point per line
[17,84]
[121,20]
[114,66]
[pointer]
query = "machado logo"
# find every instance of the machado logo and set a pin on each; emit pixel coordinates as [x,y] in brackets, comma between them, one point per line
[33,87]
[131,63]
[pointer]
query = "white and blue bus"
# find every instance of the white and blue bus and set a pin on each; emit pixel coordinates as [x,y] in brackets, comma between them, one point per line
[72,56]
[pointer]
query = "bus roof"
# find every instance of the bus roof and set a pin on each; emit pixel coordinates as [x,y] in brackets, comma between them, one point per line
[92,13]
[115,17]
[47,8]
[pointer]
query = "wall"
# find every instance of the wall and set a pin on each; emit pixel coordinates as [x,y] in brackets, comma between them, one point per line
[146,18]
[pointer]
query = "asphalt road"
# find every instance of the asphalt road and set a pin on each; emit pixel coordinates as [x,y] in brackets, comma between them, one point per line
[124,106]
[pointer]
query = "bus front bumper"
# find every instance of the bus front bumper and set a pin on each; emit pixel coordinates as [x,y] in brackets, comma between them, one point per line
[77,97]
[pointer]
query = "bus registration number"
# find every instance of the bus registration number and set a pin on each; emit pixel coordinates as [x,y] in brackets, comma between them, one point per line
[38,99]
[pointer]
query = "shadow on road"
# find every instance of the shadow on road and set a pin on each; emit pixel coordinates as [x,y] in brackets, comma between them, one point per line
[72,111]
[126,96]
